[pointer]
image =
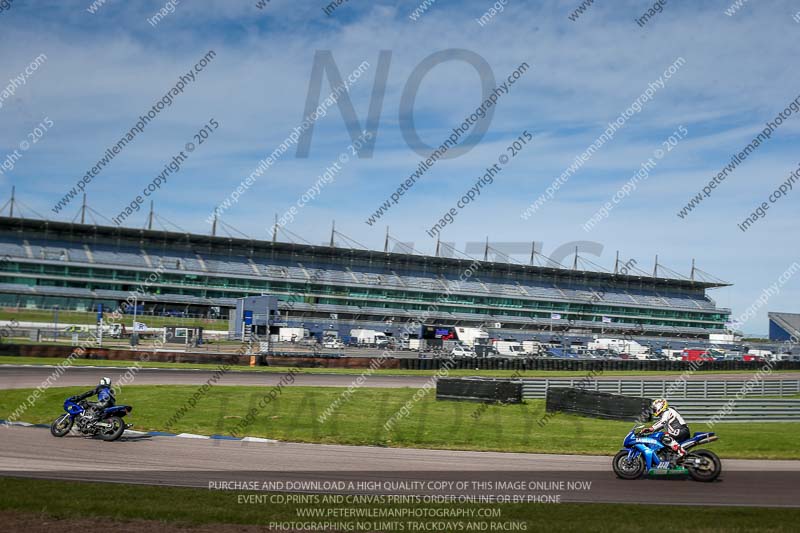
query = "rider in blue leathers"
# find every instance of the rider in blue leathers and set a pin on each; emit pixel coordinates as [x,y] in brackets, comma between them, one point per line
[105,397]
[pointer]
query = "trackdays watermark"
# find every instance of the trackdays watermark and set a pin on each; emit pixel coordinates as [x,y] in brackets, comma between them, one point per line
[308,121]
[767,293]
[34,136]
[642,174]
[22,78]
[605,137]
[324,179]
[357,383]
[426,388]
[746,389]
[485,180]
[266,399]
[761,211]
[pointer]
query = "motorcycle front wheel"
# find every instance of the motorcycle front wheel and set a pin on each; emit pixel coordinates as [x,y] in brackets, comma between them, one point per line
[703,465]
[115,431]
[628,469]
[61,425]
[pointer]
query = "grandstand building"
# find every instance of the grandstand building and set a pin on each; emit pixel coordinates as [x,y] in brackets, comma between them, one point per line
[77,266]
[783,326]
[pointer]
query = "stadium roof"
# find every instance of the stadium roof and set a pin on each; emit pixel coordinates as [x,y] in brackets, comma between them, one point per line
[790,322]
[71,231]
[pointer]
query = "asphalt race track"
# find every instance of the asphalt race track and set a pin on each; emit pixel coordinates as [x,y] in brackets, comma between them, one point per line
[21,376]
[193,462]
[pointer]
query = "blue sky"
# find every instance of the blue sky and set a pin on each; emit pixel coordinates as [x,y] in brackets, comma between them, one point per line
[105,69]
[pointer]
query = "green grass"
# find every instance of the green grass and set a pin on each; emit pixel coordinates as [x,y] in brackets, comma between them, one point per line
[294,416]
[11,360]
[90,318]
[182,506]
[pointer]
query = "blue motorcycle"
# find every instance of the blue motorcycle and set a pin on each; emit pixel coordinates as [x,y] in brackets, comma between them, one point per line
[643,453]
[108,426]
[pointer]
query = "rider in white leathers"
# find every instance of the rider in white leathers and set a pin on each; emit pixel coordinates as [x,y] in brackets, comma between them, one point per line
[673,425]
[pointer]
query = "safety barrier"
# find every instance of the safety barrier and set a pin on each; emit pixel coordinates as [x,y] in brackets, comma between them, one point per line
[586,365]
[596,404]
[479,390]
[537,388]
[707,411]
[734,410]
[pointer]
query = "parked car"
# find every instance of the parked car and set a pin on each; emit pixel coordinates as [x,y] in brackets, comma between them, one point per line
[332,344]
[463,351]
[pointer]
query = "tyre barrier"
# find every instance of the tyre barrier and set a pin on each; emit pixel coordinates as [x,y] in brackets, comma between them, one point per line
[479,390]
[597,404]
[586,365]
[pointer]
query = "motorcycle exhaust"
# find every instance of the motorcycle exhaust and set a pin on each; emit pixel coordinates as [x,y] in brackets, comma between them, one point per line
[706,440]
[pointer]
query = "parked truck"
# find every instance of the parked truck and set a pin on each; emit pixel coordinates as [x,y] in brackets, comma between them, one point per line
[472,336]
[508,348]
[369,337]
[620,346]
[292,334]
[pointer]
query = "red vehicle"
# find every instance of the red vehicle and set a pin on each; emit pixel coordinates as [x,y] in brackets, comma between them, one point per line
[752,357]
[696,354]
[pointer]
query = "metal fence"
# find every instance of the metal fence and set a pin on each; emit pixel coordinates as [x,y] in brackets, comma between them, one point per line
[537,388]
[744,410]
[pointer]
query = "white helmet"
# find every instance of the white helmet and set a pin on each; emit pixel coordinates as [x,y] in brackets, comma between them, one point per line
[659,406]
[105,382]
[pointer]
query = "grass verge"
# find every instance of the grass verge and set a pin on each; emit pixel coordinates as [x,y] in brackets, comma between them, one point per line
[73,500]
[295,416]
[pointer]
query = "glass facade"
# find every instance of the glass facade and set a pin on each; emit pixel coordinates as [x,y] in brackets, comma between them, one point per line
[332,292]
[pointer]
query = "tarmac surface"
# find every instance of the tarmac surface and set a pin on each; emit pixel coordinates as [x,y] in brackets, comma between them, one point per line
[294,467]
[29,376]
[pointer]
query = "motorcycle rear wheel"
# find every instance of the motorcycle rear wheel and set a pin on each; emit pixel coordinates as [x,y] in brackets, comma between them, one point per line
[710,469]
[61,425]
[115,431]
[626,469]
